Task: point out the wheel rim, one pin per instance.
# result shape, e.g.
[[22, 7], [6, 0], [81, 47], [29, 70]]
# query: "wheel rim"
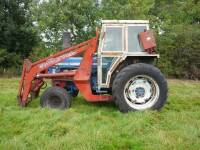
[[141, 92]]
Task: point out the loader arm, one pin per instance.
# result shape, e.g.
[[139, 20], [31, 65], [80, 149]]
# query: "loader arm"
[[33, 74]]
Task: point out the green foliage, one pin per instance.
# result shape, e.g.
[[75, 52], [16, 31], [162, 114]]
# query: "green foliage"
[[76, 16], [90, 126], [41, 51], [126, 9], [179, 45], [81, 17], [180, 52], [188, 53], [17, 35], [9, 60]]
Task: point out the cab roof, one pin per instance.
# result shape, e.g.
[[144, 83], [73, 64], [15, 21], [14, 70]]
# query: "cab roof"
[[125, 21]]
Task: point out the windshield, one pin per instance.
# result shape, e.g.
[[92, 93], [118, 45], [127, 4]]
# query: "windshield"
[[113, 39]]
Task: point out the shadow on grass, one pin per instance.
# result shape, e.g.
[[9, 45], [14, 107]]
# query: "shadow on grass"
[[77, 102], [81, 101]]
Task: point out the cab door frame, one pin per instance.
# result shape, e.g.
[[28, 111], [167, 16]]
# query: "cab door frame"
[[107, 53]]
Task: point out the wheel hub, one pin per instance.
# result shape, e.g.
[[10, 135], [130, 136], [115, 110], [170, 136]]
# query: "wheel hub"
[[141, 92]]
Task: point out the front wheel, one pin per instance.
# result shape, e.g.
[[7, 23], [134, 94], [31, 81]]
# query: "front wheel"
[[139, 87], [55, 97]]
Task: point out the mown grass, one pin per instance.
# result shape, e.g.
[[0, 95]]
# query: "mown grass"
[[100, 125]]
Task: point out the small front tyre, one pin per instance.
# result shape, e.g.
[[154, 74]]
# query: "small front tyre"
[[139, 87], [55, 97]]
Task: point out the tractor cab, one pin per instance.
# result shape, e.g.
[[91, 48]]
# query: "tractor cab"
[[122, 36], [120, 40]]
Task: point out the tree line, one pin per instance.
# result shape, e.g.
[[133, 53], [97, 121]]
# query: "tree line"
[[33, 29]]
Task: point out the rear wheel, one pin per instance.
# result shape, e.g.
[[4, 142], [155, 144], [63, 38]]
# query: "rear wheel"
[[139, 87], [55, 97]]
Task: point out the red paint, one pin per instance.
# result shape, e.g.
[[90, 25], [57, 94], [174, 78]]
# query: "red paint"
[[34, 73], [148, 41]]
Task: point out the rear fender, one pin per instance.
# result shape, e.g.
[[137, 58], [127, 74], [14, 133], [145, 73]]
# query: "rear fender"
[[123, 61]]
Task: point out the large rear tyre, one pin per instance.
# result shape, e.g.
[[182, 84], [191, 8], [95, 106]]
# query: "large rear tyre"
[[139, 87], [55, 97]]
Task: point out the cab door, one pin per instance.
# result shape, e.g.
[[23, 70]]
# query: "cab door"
[[110, 49]]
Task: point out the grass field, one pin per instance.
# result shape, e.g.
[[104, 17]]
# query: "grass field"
[[101, 126]]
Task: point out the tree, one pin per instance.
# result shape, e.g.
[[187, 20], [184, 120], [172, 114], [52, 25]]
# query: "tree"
[[179, 44], [126, 9], [75, 16], [17, 35]]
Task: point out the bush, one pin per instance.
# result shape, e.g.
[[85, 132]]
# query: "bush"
[[10, 72], [180, 52], [9, 63]]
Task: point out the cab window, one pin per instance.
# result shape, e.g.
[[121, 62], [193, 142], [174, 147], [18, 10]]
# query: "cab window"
[[133, 40], [112, 39]]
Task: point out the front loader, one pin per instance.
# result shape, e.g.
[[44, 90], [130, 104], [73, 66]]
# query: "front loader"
[[115, 65]]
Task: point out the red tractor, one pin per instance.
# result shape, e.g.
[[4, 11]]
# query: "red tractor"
[[115, 65]]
